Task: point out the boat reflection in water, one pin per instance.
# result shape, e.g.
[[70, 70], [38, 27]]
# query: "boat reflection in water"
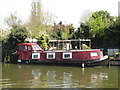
[[38, 76], [51, 76]]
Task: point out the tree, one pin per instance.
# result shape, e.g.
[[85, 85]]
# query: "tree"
[[61, 31], [35, 21], [83, 31], [95, 28], [114, 31], [39, 20], [43, 41], [85, 16], [13, 21], [18, 34], [99, 21]]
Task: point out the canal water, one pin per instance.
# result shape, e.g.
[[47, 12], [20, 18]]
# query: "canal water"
[[44, 76]]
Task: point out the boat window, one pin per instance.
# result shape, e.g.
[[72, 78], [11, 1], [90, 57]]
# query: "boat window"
[[36, 47], [35, 55], [93, 54], [20, 48], [25, 47], [67, 55], [50, 55], [29, 48]]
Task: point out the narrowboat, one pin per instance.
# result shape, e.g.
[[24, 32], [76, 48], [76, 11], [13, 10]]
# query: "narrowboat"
[[31, 53]]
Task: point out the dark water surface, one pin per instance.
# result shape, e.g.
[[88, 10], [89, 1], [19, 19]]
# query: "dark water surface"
[[43, 76]]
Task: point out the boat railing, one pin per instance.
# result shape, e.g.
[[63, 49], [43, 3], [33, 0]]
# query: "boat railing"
[[67, 44]]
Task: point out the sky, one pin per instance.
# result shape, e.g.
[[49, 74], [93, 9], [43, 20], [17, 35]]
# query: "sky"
[[68, 11]]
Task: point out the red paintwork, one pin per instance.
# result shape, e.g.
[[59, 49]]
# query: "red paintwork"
[[76, 54], [27, 44], [26, 54], [85, 55]]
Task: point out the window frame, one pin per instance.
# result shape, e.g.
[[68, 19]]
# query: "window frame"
[[94, 54], [35, 54], [50, 54], [36, 47], [70, 53]]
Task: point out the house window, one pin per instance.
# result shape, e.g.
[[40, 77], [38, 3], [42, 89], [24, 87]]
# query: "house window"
[[50, 55], [35, 55], [67, 55]]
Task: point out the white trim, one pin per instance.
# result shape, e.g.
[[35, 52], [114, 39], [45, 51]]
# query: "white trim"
[[72, 50], [70, 53], [50, 54], [103, 58], [19, 60], [38, 55]]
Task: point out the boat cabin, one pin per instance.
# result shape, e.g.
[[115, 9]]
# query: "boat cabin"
[[31, 51], [29, 47], [25, 50]]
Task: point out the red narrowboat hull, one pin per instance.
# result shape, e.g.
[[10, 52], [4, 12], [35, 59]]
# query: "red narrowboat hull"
[[69, 63], [82, 58]]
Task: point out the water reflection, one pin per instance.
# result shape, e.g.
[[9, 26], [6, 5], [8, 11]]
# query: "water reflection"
[[67, 79], [51, 76], [38, 76], [99, 77]]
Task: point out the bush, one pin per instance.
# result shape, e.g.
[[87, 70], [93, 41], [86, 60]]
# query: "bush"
[[17, 35]]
